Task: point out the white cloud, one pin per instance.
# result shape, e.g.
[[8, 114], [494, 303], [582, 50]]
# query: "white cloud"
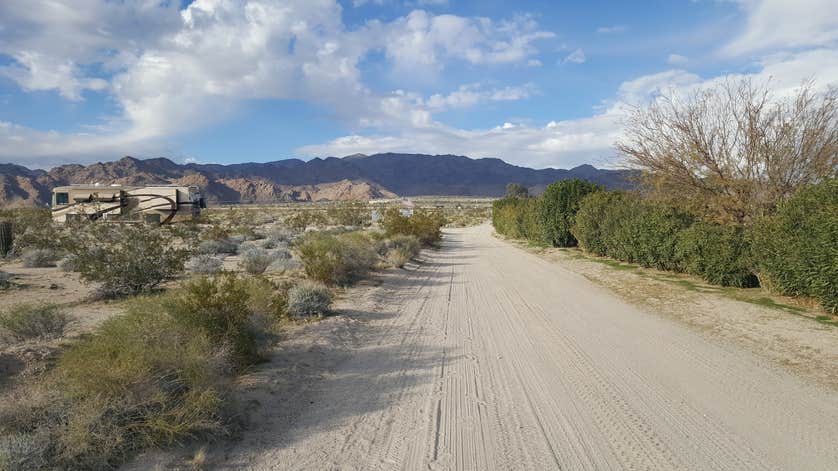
[[611, 29], [677, 59], [171, 71], [575, 57], [784, 24], [566, 143]]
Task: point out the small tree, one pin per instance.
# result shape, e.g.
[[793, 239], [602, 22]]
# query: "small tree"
[[127, 259], [734, 152], [516, 190], [558, 208]]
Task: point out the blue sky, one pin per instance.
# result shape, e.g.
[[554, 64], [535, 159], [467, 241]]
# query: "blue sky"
[[536, 83]]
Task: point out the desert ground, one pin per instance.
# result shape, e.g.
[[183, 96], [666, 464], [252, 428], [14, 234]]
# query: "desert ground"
[[487, 356]]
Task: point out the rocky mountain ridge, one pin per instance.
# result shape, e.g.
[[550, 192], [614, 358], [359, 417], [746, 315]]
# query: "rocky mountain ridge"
[[353, 177]]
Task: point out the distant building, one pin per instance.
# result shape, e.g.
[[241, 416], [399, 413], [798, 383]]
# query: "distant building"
[[154, 203]]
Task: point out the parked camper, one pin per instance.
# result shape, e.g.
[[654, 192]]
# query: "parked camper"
[[157, 204]]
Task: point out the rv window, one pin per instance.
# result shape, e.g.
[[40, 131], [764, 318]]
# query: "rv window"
[[62, 198]]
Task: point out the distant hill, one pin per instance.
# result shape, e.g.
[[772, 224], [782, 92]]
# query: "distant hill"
[[353, 177]]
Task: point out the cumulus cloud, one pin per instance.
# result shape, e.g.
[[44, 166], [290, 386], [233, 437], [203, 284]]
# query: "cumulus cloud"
[[171, 71], [781, 24]]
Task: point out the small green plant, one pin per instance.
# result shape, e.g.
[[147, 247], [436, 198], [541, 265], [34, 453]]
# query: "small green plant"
[[309, 299], [349, 213], [33, 321]]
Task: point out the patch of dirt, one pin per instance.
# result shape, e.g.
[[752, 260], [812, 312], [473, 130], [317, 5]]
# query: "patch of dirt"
[[784, 331]]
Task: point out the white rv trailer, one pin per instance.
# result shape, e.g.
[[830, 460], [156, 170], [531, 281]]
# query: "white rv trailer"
[[154, 203]]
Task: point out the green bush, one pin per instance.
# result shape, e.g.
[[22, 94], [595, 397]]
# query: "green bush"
[[32, 321], [349, 213], [127, 259], [336, 258], [796, 250], [517, 218], [719, 254], [557, 211], [309, 299], [625, 227], [424, 225], [218, 308]]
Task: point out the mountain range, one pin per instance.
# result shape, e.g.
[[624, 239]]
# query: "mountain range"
[[353, 177]]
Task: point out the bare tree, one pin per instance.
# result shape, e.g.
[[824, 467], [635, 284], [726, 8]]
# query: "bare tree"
[[735, 151]]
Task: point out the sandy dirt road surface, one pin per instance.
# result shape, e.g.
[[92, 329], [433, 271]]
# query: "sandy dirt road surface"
[[487, 357]]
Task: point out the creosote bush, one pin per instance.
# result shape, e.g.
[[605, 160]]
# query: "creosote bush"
[[39, 258], [425, 225], [309, 299], [255, 260], [32, 321], [127, 259], [339, 259]]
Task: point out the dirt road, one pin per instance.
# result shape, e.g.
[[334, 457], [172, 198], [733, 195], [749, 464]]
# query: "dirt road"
[[487, 357]]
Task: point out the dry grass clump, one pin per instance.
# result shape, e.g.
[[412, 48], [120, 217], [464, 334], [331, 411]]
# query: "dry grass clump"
[[309, 299], [32, 321], [401, 248]]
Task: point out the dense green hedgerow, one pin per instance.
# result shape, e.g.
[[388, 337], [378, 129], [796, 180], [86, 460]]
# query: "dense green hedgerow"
[[796, 250], [517, 218], [718, 253], [557, 210], [625, 227]]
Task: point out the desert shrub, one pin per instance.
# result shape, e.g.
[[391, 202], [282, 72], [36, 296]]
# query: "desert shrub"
[[218, 308], [718, 253], [557, 210], [401, 248], [204, 264], [127, 259], [69, 263], [623, 226], [265, 298], [6, 280], [336, 259], [23, 219], [517, 218], [304, 218], [24, 452], [141, 380], [424, 225], [39, 258], [32, 321], [255, 260], [309, 299], [349, 213], [218, 246], [283, 265], [796, 250]]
